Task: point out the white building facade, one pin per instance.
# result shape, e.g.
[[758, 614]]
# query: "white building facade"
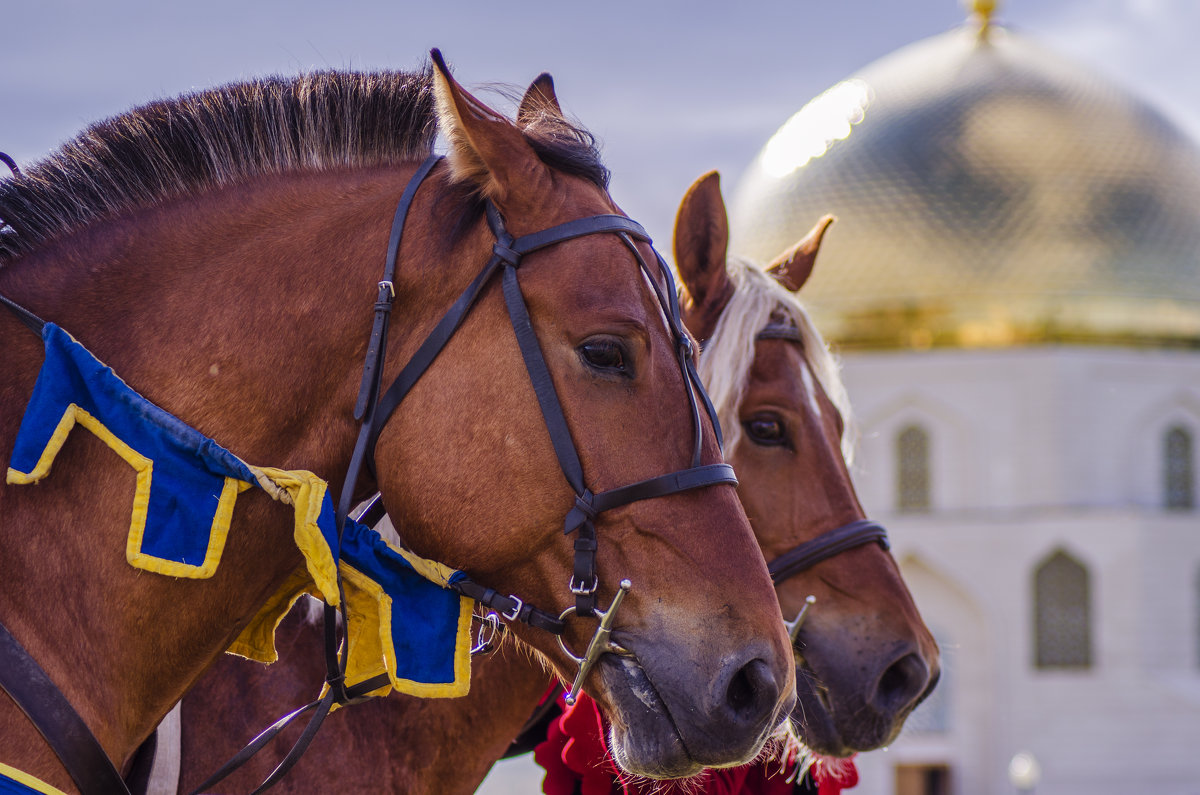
[[1036, 456], [1013, 285]]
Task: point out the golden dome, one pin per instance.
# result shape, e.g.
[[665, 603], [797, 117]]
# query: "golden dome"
[[988, 193]]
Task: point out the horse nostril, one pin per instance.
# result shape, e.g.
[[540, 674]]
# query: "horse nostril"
[[929, 687], [752, 692], [902, 684]]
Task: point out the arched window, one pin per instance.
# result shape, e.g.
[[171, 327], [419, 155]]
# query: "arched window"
[[1178, 470], [1062, 613], [912, 469]]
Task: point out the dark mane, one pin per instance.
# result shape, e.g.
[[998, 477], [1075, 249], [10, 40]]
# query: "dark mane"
[[175, 147]]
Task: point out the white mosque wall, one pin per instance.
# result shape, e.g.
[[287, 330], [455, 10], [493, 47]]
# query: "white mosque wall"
[[1015, 429], [1034, 451]]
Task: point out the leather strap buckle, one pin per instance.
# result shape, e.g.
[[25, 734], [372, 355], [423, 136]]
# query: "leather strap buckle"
[[584, 590], [514, 613]]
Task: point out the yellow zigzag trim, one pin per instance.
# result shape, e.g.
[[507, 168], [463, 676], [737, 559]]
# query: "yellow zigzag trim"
[[371, 648], [36, 784], [373, 653], [141, 497]]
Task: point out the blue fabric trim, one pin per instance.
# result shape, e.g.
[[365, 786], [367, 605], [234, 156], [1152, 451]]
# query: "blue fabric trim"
[[189, 469], [184, 499], [424, 617]]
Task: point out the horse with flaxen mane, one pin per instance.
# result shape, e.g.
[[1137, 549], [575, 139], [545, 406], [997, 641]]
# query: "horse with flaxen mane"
[[864, 658], [221, 253]]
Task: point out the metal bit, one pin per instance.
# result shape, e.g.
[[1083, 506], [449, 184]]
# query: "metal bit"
[[793, 626], [600, 644]]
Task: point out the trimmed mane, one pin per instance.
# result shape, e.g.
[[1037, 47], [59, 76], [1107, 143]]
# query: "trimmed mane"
[[209, 139], [725, 364], [217, 137]]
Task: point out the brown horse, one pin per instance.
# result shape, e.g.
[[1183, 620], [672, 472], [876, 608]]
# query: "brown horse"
[[220, 253], [864, 656]]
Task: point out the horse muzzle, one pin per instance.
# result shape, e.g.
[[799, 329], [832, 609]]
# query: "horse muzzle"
[[665, 726], [838, 716]]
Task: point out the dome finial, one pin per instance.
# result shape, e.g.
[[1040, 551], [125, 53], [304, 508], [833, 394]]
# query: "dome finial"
[[981, 14]]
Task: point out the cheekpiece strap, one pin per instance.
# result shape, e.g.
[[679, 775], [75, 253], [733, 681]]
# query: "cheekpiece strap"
[[377, 344]]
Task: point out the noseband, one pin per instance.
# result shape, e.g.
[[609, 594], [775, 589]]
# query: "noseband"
[[826, 546]]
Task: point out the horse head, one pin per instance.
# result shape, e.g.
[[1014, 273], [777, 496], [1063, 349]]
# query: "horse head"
[[864, 659], [700, 671]]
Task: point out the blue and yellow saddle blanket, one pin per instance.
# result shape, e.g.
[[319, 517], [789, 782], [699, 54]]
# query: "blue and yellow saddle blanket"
[[402, 617]]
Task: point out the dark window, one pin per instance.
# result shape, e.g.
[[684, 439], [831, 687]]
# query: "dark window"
[[1178, 471], [1062, 613], [912, 469], [922, 780]]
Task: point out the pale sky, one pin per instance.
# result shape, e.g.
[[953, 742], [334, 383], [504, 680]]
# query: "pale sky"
[[672, 89]]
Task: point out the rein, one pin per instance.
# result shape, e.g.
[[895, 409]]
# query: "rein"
[[373, 411]]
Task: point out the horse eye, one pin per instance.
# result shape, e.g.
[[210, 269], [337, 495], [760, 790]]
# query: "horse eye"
[[766, 429], [604, 354]]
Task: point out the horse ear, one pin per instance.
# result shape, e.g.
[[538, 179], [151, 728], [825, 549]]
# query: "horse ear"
[[793, 267], [539, 100], [484, 146], [701, 242]]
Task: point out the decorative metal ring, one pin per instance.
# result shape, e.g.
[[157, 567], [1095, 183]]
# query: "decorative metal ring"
[[562, 644], [490, 628]]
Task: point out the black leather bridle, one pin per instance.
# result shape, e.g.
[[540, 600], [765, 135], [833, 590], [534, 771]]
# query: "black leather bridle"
[[507, 252], [374, 410], [796, 560], [825, 546]]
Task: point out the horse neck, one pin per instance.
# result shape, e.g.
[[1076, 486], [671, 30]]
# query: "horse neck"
[[244, 313]]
